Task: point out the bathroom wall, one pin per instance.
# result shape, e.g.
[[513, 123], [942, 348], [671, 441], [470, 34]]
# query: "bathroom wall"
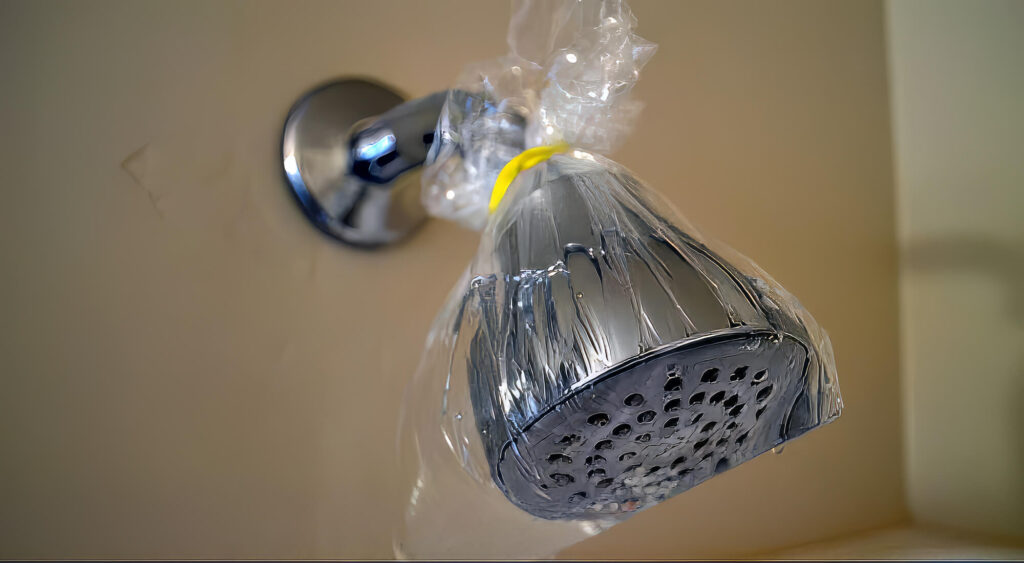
[[957, 75], [190, 370]]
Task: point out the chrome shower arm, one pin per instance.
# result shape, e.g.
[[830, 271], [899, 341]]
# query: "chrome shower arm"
[[352, 151], [397, 141]]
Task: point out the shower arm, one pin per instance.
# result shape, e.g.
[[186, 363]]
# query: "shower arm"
[[352, 151]]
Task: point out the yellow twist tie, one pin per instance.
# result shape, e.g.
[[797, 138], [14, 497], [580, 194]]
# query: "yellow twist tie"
[[526, 160]]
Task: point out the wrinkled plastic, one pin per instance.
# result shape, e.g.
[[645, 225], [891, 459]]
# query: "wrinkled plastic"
[[581, 273], [597, 356], [568, 77]]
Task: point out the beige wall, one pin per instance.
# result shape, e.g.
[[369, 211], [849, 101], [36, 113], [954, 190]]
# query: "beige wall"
[[190, 370], [957, 75]]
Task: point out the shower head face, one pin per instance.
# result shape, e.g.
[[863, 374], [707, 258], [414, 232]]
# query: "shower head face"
[[657, 426]]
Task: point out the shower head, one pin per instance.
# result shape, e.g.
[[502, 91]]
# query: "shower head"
[[615, 361], [609, 357]]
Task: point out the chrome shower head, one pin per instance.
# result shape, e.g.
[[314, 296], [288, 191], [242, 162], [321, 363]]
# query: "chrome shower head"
[[610, 359], [615, 361]]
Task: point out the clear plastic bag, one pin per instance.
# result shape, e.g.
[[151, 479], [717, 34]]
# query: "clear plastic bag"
[[567, 78], [597, 356]]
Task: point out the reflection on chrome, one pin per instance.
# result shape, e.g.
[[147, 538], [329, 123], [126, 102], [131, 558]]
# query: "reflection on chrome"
[[383, 144]]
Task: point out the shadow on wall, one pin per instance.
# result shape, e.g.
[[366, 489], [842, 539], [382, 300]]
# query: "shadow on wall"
[[1001, 260]]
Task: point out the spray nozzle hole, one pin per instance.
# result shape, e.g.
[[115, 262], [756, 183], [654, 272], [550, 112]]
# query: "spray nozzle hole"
[[595, 460], [646, 417], [562, 479], [559, 458], [634, 400]]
